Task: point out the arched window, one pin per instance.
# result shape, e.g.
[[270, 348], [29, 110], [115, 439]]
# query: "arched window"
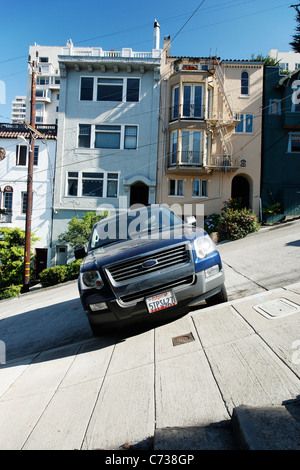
[[245, 83]]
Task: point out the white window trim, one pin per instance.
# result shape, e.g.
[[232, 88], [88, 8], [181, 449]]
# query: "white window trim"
[[122, 137], [79, 183], [95, 89], [176, 187], [201, 188]]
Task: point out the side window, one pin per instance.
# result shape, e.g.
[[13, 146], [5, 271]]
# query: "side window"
[[133, 89], [84, 136], [87, 89], [21, 155], [245, 83]]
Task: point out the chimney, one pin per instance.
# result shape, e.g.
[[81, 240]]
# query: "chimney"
[[156, 35]]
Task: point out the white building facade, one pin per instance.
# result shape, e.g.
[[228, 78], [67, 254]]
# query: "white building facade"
[[13, 185], [288, 61]]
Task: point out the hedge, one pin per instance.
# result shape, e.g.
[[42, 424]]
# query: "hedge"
[[59, 274]]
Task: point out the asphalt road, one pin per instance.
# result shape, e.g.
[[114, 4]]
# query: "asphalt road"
[[48, 318]]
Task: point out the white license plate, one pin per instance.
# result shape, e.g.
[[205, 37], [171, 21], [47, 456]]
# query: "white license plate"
[[161, 301]]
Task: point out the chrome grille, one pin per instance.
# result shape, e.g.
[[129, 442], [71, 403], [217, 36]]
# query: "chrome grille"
[[136, 268]]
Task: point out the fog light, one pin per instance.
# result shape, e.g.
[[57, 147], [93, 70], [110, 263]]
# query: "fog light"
[[212, 271], [99, 306]]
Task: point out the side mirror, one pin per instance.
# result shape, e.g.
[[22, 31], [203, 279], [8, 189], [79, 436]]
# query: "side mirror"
[[80, 253], [191, 220]]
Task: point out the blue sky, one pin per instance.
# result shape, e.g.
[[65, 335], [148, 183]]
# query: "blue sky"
[[232, 29]]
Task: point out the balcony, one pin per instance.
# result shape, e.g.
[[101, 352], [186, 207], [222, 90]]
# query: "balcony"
[[5, 217], [291, 120], [224, 163]]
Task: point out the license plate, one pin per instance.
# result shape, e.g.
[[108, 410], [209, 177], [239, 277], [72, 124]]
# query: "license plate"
[[161, 301]]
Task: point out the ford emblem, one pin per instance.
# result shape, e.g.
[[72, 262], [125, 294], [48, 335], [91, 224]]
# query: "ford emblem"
[[149, 263]]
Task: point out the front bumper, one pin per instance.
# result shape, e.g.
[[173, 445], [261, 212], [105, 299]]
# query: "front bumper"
[[196, 287]]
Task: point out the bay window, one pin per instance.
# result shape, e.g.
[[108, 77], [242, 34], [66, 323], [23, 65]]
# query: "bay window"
[[191, 147], [192, 101]]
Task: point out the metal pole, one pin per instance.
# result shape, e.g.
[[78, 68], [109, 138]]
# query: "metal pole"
[[29, 185]]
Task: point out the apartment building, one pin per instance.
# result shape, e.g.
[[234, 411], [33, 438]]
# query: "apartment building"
[[47, 82], [18, 109], [107, 133], [281, 143], [288, 61], [210, 132]]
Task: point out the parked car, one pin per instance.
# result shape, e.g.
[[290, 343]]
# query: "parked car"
[[146, 264]]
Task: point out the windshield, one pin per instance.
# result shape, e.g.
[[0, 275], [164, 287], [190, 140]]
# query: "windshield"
[[140, 222]]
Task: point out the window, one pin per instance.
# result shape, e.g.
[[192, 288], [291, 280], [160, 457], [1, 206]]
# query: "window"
[[294, 143], [175, 102], [199, 188], [87, 88], [42, 81], [44, 59], [108, 137], [21, 155], [92, 184], [173, 148], [84, 136], [284, 66], [275, 107], [191, 143], [133, 90], [192, 101], [8, 200], [245, 83], [24, 203], [130, 139], [176, 188], [110, 89], [36, 156], [245, 125], [72, 185], [112, 184]]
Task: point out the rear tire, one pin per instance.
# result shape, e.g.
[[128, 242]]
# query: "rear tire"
[[218, 298]]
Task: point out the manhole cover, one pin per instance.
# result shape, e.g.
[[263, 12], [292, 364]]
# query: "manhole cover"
[[277, 308], [183, 339]]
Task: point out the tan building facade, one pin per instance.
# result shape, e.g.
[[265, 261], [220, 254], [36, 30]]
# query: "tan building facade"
[[209, 145]]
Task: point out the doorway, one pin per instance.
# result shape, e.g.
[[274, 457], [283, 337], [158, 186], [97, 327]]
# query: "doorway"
[[139, 194], [240, 189], [61, 255], [40, 260]]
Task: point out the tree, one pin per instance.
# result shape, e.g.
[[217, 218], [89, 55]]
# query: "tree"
[[79, 230], [266, 59], [12, 243], [296, 42]]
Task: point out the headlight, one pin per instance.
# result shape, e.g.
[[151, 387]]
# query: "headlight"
[[91, 279], [203, 246]]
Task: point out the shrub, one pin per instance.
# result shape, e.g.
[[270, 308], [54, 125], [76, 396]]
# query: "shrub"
[[52, 276], [58, 274], [211, 223], [235, 224], [11, 291]]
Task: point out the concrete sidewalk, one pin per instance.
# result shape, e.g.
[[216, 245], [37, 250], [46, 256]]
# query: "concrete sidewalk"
[[172, 387]]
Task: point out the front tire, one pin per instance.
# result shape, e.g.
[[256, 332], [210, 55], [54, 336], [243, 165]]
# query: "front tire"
[[218, 298]]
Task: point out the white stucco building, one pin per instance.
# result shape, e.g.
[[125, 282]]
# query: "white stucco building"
[[288, 61], [13, 185]]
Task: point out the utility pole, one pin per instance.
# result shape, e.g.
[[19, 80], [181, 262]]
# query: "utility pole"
[[29, 184]]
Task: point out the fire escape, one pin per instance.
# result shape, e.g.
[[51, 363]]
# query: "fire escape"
[[222, 123]]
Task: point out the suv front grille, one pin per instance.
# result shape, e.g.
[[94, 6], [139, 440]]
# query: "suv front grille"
[[145, 265], [137, 296]]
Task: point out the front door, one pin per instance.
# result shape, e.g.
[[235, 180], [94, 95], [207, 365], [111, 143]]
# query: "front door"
[[40, 260]]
